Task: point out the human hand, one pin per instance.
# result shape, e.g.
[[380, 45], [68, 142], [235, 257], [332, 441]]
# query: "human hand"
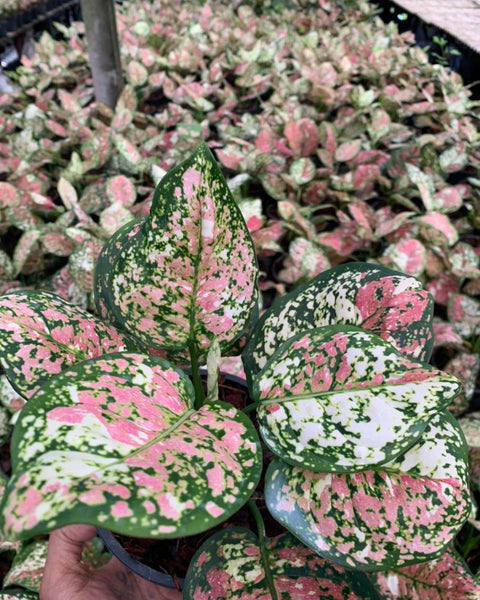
[[67, 578]]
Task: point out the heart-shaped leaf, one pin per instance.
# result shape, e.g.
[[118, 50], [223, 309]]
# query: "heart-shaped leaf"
[[188, 274], [445, 577], [230, 565], [338, 398], [385, 302], [115, 442], [405, 513], [41, 334]]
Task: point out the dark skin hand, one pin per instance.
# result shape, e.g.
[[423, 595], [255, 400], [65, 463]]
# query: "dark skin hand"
[[67, 578]]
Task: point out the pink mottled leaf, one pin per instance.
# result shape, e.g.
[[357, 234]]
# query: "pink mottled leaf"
[[437, 229], [447, 200], [464, 314], [465, 367], [442, 287], [114, 441], [114, 216], [385, 302], [444, 577], [348, 150], [425, 184], [137, 74], [26, 256], [302, 171], [9, 195], [445, 334], [408, 256], [41, 334], [67, 193], [464, 261], [57, 243], [350, 400], [230, 566], [302, 136], [305, 260], [28, 565], [121, 189], [188, 272], [422, 498]]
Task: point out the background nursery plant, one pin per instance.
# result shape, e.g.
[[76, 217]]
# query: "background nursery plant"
[[366, 469]]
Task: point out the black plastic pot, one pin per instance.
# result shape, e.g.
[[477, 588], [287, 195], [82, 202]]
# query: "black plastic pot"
[[115, 548]]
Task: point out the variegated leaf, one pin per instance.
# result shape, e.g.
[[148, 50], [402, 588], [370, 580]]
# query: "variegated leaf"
[[338, 398], [404, 513], [41, 334], [115, 442], [188, 273], [27, 566], [230, 565], [464, 313], [18, 595], [388, 303], [444, 577]]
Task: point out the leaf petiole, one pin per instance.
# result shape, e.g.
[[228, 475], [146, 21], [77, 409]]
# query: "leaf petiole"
[[263, 548]]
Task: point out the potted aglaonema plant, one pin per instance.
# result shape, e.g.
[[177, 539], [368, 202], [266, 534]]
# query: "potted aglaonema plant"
[[369, 467]]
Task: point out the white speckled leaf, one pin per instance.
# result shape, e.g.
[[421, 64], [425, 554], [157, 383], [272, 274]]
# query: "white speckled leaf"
[[230, 566], [41, 334], [188, 273], [115, 442], [406, 512], [27, 566], [385, 302], [444, 577], [339, 398]]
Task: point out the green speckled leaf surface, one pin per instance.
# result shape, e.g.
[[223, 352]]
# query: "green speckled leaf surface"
[[229, 566], [41, 334], [339, 398], [406, 511], [373, 297], [115, 442], [188, 273]]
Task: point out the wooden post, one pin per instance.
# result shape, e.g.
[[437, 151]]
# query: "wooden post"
[[103, 49]]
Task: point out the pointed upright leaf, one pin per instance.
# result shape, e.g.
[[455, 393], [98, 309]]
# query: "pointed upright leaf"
[[189, 273], [115, 442], [406, 512]]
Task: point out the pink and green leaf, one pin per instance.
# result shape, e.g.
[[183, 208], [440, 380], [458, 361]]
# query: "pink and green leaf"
[[27, 566], [405, 512], [188, 273], [338, 398], [385, 302], [41, 334], [230, 565], [115, 442], [444, 577]]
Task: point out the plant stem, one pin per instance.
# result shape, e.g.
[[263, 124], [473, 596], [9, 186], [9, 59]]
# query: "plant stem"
[[263, 549], [250, 408], [197, 380]]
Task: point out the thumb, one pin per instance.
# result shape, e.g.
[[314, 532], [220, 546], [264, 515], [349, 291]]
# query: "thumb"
[[65, 545], [63, 567]]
